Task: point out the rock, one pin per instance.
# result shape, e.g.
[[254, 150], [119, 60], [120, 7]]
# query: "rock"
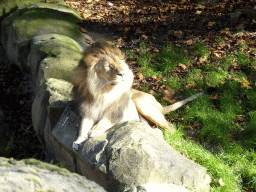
[[153, 187], [32, 175], [53, 56], [21, 26], [8, 5], [45, 40], [129, 156]]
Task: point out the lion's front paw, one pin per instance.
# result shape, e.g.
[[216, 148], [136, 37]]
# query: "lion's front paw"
[[75, 146]]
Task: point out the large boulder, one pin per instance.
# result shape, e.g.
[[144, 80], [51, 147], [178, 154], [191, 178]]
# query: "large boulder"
[[20, 27], [32, 175], [129, 156], [45, 41], [7, 6]]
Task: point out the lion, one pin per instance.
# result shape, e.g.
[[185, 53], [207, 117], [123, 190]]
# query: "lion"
[[103, 90]]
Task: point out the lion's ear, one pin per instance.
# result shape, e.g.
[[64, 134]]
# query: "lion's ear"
[[89, 61]]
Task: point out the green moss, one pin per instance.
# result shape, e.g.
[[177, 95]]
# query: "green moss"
[[8, 5], [50, 167]]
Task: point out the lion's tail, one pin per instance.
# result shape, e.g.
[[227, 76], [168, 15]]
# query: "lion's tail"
[[179, 104]]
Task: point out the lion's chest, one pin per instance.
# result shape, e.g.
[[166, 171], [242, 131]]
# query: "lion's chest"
[[117, 110]]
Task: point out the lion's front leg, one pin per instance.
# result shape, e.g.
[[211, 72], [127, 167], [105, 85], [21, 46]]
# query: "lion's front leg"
[[85, 127], [102, 126]]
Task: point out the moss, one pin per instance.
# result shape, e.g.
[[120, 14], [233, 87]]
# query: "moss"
[[7, 6], [50, 167], [35, 181]]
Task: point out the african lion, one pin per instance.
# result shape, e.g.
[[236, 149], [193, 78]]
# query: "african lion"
[[102, 89]]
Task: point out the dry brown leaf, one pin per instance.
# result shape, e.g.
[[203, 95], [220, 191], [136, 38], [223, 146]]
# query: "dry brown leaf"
[[144, 37], [168, 94], [210, 24], [190, 85], [203, 59], [239, 42], [240, 118], [86, 15], [182, 66], [173, 101], [214, 97], [83, 30], [246, 86], [219, 53], [72, 2], [206, 40], [198, 12], [139, 76], [189, 42], [169, 100]]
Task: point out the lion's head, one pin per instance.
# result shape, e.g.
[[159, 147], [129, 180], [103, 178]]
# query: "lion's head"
[[102, 70]]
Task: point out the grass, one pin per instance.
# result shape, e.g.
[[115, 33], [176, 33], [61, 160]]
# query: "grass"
[[217, 131]]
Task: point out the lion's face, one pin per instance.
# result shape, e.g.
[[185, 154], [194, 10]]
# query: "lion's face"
[[102, 73], [113, 71]]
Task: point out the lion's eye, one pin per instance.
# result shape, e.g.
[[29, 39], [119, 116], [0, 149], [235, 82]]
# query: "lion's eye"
[[108, 67], [122, 64]]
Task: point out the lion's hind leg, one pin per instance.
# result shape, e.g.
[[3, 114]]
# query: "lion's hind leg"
[[151, 110]]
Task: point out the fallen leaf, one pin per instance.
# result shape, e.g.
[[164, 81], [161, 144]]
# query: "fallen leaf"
[[86, 15], [210, 24], [153, 78], [203, 59], [126, 29], [190, 85], [139, 76], [213, 97], [182, 66], [198, 12], [189, 42], [219, 53], [144, 37], [240, 118], [239, 42], [83, 30], [246, 86], [168, 94]]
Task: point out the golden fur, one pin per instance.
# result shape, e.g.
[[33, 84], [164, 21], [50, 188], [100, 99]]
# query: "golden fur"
[[102, 88]]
